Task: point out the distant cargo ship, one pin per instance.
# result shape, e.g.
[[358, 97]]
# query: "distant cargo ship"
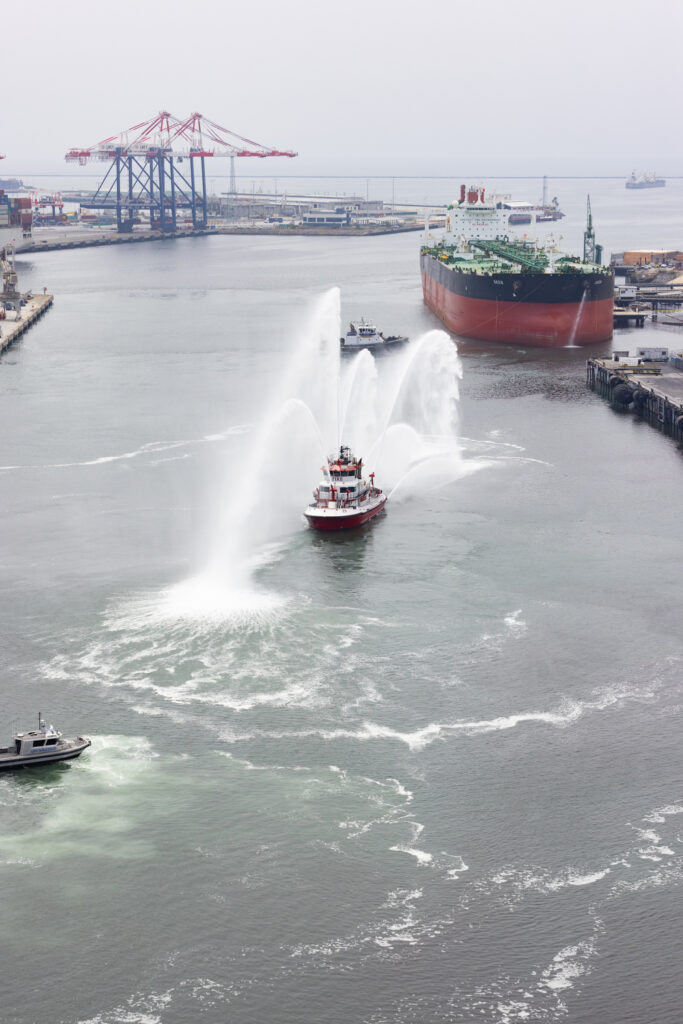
[[645, 181], [525, 213], [486, 286], [11, 185]]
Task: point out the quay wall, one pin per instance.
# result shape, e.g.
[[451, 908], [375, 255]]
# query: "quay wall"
[[653, 392], [112, 238], [11, 330]]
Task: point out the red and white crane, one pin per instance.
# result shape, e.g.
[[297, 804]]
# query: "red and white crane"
[[144, 172]]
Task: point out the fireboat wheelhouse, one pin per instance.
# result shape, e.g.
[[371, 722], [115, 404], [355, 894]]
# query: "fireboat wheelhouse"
[[344, 499]]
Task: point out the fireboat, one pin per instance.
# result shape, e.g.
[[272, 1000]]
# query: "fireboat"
[[344, 499]]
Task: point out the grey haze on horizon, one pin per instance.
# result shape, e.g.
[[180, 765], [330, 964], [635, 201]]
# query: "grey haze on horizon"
[[366, 87]]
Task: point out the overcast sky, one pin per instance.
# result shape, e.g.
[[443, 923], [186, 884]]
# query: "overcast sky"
[[434, 86]]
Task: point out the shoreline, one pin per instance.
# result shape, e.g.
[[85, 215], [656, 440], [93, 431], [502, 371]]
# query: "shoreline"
[[113, 238]]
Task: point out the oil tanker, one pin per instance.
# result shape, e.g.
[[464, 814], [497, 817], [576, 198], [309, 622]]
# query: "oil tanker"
[[486, 285]]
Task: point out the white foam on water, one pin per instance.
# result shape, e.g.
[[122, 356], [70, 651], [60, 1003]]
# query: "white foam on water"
[[86, 814], [140, 1008], [203, 662], [402, 931], [650, 853], [660, 814], [567, 966], [243, 762], [203, 599], [458, 869], [150, 448], [648, 835], [416, 740], [654, 848], [589, 879], [514, 623], [400, 789], [421, 856], [521, 880], [122, 1015], [403, 897], [296, 694], [669, 873], [512, 1011]]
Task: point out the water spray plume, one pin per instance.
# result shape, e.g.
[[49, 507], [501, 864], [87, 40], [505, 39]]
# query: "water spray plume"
[[399, 415]]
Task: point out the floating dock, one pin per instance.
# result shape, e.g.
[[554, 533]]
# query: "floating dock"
[[27, 315], [654, 390]]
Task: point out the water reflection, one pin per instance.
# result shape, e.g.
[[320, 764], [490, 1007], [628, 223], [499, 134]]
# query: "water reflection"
[[345, 550]]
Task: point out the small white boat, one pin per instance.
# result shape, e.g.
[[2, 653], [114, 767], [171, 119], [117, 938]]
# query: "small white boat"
[[364, 334], [43, 745]]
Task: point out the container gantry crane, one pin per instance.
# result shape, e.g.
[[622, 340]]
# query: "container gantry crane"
[[144, 171]]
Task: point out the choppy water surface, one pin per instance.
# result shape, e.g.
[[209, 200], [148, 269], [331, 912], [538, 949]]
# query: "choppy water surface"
[[427, 771]]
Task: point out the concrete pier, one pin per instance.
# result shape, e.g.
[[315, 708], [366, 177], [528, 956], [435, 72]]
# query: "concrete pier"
[[26, 316], [653, 390]]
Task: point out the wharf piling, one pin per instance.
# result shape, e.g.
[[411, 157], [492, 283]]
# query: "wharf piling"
[[26, 316], [624, 317], [653, 390]]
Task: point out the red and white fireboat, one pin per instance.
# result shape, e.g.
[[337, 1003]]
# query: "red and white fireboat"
[[343, 498]]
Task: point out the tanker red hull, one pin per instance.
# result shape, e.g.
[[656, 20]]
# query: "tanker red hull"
[[540, 324], [514, 304]]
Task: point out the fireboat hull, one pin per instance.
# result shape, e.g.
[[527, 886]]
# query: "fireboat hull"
[[343, 519], [540, 310]]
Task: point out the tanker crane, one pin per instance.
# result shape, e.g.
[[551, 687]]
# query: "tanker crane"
[[592, 253]]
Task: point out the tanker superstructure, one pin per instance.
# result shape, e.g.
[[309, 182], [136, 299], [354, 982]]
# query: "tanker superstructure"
[[488, 286]]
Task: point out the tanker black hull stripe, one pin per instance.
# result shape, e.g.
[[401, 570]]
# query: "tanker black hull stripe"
[[517, 287]]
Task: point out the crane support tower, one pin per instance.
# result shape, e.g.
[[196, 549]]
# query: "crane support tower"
[[145, 168]]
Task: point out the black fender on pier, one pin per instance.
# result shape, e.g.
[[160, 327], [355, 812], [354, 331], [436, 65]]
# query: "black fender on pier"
[[622, 394]]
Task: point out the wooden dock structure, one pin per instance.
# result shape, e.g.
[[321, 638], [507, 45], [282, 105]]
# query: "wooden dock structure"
[[653, 390], [26, 316]]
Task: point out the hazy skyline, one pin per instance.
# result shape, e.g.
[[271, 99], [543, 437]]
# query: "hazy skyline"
[[361, 87]]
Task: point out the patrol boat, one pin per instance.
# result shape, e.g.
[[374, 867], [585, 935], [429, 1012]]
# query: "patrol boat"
[[40, 746], [343, 498]]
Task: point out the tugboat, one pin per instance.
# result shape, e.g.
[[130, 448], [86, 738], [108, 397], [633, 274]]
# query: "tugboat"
[[40, 746], [343, 498], [364, 334]]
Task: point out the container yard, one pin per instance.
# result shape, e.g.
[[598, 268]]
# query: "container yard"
[[16, 214]]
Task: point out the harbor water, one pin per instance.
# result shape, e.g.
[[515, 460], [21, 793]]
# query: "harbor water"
[[426, 771]]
